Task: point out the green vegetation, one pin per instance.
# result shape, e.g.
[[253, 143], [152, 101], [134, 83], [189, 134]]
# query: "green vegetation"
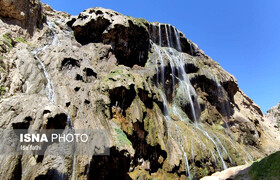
[[2, 64], [204, 172], [267, 168], [138, 21], [7, 39], [2, 90], [20, 40], [122, 138], [7, 42], [116, 75]]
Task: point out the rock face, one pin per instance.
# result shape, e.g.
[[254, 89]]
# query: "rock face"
[[273, 116], [171, 111], [25, 13]]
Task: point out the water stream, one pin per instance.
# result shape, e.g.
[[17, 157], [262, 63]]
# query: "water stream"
[[50, 92], [178, 73]]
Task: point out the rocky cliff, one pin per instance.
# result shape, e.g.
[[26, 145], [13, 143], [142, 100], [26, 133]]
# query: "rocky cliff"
[[273, 116], [170, 110]]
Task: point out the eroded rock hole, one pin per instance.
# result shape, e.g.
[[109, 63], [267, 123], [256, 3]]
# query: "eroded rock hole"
[[46, 111], [67, 104], [90, 75], [90, 72], [59, 121], [115, 166], [92, 31], [122, 97], [98, 12], [79, 77], [87, 101], [77, 89], [24, 124], [130, 44], [191, 68], [69, 63], [52, 174], [146, 98], [153, 154]]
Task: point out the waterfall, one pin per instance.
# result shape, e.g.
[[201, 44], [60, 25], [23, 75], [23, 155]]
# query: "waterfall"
[[223, 147], [179, 139], [172, 56], [215, 144], [224, 105], [178, 62], [186, 161], [50, 89], [55, 41], [49, 86]]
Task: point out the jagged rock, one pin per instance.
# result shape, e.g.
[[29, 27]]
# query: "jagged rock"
[[273, 116], [169, 109], [25, 13], [129, 38]]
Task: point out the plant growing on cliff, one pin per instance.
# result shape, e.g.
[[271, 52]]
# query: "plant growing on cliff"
[[122, 138], [7, 39], [2, 90], [2, 64], [20, 40]]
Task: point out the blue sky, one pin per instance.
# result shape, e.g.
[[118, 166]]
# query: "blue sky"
[[242, 35]]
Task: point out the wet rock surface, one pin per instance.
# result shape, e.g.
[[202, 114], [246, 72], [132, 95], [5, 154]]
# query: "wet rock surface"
[[171, 112]]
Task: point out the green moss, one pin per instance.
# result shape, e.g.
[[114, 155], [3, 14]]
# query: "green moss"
[[122, 138], [139, 21], [112, 75], [204, 172], [2, 64], [7, 39], [20, 40], [268, 167], [2, 90]]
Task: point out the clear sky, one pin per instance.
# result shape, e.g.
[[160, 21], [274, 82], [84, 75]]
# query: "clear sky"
[[242, 35]]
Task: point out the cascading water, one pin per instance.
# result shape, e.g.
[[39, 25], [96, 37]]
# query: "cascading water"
[[178, 73], [215, 144], [226, 111], [51, 93], [49, 86], [186, 161], [55, 41]]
